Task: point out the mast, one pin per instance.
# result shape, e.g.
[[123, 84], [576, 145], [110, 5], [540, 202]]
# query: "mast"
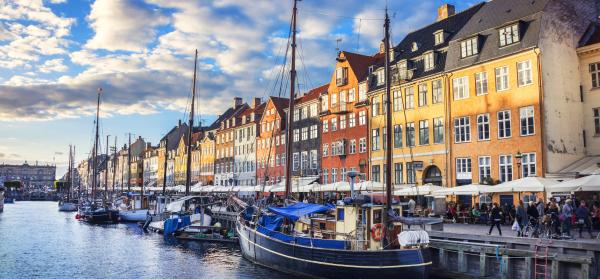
[[95, 152], [188, 173], [106, 173], [78, 179], [129, 165], [114, 165], [388, 150], [69, 176], [165, 164], [290, 121]]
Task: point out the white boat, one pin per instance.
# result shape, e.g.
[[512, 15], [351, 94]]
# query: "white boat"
[[67, 206], [138, 215]]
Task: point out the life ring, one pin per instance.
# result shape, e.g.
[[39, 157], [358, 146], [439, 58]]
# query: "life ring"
[[376, 232]]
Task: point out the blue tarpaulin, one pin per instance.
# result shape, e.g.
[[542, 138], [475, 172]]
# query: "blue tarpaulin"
[[173, 224], [305, 241], [297, 210], [271, 222]]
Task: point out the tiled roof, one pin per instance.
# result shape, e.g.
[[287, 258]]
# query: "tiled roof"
[[591, 36], [360, 63], [175, 135], [280, 104], [312, 94]]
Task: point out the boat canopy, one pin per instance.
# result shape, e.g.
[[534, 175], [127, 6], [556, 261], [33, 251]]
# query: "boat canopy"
[[297, 210], [176, 206]]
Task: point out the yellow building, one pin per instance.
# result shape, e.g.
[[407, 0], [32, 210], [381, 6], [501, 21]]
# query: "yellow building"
[[207, 159]]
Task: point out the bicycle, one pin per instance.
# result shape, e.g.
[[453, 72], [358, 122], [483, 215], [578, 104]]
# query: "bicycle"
[[532, 229]]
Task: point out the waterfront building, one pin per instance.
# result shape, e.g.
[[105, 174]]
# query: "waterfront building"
[[306, 135], [36, 176], [270, 143], [418, 104], [224, 171], [136, 153], [180, 161], [515, 105], [195, 177], [244, 147], [167, 144], [207, 158], [150, 166], [344, 118]]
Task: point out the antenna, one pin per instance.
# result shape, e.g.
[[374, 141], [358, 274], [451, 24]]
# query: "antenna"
[[337, 45]]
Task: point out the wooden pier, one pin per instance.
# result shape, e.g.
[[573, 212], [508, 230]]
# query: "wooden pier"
[[476, 256]]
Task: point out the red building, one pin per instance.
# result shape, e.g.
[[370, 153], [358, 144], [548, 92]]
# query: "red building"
[[270, 142], [344, 118]]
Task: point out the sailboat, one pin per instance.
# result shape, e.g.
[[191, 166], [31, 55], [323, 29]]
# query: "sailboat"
[[94, 213], [1, 198], [332, 241], [67, 203]]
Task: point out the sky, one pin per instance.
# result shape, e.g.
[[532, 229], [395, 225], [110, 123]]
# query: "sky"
[[55, 54]]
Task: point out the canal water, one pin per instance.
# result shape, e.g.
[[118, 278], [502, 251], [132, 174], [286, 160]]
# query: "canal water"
[[38, 241]]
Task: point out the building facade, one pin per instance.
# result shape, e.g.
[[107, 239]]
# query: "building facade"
[[34, 176], [306, 136], [225, 137], [245, 144], [270, 143]]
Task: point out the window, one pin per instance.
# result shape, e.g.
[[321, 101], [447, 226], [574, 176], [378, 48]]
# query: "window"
[[343, 98], [411, 175], [343, 172], [429, 61], [468, 47], [504, 124], [380, 77], [324, 103], [314, 156], [528, 163], [438, 37], [342, 122], [334, 124], [362, 91], [597, 121], [423, 132], [438, 130], [362, 118], [397, 100], [352, 146], [362, 145], [341, 76], [462, 129], [595, 72], [463, 169], [304, 160], [277, 160], [333, 175], [351, 95], [333, 100], [313, 110], [485, 167], [397, 136], [325, 176], [481, 83], [325, 150], [422, 94], [527, 124], [410, 98], [460, 88], [313, 132], [375, 106], [502, 78], [403, 69], [304, 133], [338, 148], [375, 173], [483, 126], [351, 120], [410, 134], [505, 168], [509, 35], [296, 135], [525, 77], [398, 173], [296, 114], [325, 126], [375, 142], [295, 161], [436, 94]]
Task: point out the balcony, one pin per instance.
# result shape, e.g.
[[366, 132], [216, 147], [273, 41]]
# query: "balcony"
[[339, 108]]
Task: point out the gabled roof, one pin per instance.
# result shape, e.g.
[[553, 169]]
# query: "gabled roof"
[[360, 63], [174, 135], [217, 123], [258, 110], [280, 104], [313, 94]]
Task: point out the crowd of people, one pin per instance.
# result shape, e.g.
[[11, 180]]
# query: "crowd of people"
[[560, 217]]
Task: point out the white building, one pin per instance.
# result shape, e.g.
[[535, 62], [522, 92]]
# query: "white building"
[[245, 144]]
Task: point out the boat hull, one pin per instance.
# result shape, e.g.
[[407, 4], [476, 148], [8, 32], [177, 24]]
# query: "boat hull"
[[101, 216], [139, 215], [67, 206], [332, 263]]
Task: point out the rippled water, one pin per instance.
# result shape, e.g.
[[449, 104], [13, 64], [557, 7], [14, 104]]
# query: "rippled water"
[[38, 241]]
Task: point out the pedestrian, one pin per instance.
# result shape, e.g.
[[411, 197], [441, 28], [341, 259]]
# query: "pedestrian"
[[533, 215], [595, 216], [566, 215], [583, 218], [521, 216], [411, 207], [540, 207], [496, 217], [554, 216]]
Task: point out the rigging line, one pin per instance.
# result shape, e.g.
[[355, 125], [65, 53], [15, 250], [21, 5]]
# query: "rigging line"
[[358, 35], [308, 80], [325, 13]]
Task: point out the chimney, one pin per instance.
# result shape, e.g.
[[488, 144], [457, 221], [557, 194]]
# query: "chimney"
[[381, 47], [237, 101], [444, 11], [255, 102]]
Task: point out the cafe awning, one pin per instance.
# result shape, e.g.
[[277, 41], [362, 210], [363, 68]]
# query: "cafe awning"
[[526, 184]]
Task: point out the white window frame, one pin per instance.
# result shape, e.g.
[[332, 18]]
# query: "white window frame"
[[397, 100], [527, 121], [342, 122], [325, 150], [464, 168], [502, 79], [362, 118], [314, 157], [304, 133], [469, 47], [509, 35], [460, 87], [362, 145], [524, 73], [325, 126], [334, 125], [485, 168], [351, 95], [314, 131], [352, 149], [351, 120], [409, 95], [481, 83], [422, 94], [504, 124], [483, 127], [596, 114], [595, 74], [505, 168], [375, 139], [462, 129], [436, 92], [295, 161], [528, 164], [429, 61]]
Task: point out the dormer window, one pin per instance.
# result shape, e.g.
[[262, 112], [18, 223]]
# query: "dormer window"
[[429, 60], [403, 70], [509, 35], [439, 37], [341, 76], [414, 47], [380, 78], [469, 47], [370, 69]]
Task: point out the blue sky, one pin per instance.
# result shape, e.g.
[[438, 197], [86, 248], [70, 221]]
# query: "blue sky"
[[54, 54]]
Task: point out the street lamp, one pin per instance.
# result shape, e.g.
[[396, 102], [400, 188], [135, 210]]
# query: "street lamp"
[[519, 156]]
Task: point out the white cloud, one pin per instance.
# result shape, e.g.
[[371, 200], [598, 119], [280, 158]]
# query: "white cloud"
[[123, 25], [58, 1], [54, 65]]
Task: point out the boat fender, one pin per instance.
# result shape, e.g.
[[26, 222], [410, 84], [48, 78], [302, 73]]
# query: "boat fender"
[[77, 216], [376, 232]]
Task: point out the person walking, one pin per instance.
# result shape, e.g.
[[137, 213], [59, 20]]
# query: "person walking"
[[411, 208], [566, 215], [521, 216], [583, 218], [540, 206], [496, 217], [533, 216]]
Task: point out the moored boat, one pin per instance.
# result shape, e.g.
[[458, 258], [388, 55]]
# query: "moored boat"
[[1, 199], [67, 206]]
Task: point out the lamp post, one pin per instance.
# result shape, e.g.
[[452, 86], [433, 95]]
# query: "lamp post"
[[519, 156]]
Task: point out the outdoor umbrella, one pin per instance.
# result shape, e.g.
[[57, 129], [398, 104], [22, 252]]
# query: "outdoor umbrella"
[[471, 189], [590, 183], [526, 184]]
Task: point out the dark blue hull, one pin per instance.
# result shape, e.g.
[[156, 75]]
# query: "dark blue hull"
[[332, 263], [101, 216]]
